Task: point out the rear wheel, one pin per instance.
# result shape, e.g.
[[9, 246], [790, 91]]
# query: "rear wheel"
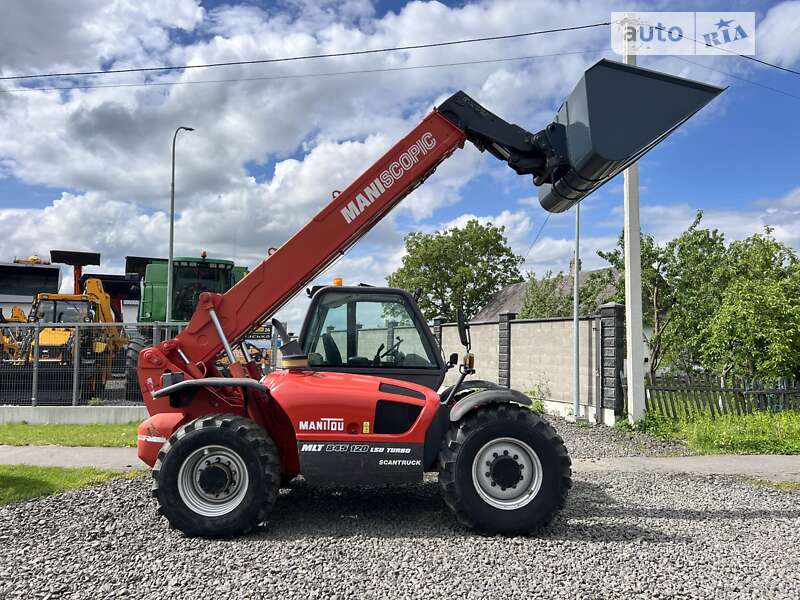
[[504, 470], [217, 476], [136, 343]]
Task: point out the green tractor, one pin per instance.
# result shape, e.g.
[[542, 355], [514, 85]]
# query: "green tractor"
[[190, 277]]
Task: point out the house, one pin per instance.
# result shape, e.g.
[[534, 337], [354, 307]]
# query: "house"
[[512, 297]]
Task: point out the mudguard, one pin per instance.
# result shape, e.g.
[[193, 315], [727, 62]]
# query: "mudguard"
[[154, 432], [494, 396], [470, 386]]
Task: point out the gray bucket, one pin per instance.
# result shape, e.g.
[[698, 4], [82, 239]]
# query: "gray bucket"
[[614, 115]]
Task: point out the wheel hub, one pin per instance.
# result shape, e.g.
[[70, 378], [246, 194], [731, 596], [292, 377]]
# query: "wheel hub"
[[213, 480], [507, 473]]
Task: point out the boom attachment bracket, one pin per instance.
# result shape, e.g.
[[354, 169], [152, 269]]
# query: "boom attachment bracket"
[[538, 154]]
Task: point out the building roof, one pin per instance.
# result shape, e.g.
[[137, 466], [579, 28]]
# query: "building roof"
[[512, 297], [509, 299]]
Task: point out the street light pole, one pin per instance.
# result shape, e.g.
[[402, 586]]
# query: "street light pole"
[[172, 226], [576, 332]]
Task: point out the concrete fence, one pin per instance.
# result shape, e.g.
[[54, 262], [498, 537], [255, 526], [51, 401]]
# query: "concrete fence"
[[535, 356]]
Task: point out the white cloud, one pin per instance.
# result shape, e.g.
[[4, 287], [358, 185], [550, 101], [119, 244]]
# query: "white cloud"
[[554, 254], [517, 226], [782, 214], [778, 34], [310, 136], [82, 34], [116, 141]]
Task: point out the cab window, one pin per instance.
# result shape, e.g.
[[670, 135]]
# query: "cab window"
[[63, 311], [367, 330], [72, 312]]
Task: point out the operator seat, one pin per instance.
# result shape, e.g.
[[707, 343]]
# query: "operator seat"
[[332, 354]]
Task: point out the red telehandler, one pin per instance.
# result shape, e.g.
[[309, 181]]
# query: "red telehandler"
[[356, 401]]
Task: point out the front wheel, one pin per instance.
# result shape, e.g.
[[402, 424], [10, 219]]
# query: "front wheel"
[[503, 469], [217, 476]]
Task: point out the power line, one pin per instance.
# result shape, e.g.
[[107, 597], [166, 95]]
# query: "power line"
[[740, 78], [303, 75], [764, 62], [536, 239], [308, 56], [745, 56]]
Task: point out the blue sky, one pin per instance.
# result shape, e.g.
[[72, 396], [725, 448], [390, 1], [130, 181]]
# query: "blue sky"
[[89, 170]]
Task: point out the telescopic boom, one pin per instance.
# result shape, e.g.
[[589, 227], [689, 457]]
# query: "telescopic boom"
[[583, 148]]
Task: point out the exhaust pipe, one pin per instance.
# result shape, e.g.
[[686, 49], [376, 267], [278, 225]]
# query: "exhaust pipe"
[[614, 115]]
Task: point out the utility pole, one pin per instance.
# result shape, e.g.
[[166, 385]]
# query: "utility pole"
[[576, 334], [172, 226], [633, 285]]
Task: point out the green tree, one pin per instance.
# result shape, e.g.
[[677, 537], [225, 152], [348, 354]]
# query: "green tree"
[[755, 330], [545, 297], [551, 296], [696, 273], [682, 283], [656, 292], [469, 264]]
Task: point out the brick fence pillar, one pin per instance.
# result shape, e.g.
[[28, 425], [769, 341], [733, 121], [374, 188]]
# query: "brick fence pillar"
[[437, 329], [504, 349], [612, 350]]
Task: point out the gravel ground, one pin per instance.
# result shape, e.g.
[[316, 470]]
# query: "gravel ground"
[[601, 441], [620, 536]]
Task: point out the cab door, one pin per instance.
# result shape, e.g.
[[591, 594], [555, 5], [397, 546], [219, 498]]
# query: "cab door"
[[371, 331]]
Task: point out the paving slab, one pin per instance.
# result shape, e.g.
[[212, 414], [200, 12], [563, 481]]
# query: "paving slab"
[[757, 466], [121, 459], [775, 467]]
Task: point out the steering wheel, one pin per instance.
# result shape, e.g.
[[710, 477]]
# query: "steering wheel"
[[376, 361], [392, 349]]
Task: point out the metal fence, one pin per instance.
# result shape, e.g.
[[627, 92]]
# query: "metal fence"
[[78, 364]]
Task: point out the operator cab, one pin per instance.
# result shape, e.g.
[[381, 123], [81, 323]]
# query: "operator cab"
[[63, 311], [193, 277], [373, 331]]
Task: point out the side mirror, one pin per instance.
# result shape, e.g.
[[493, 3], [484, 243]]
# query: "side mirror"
[[463, 329], [453, 360], [278, 327], [290, 349]]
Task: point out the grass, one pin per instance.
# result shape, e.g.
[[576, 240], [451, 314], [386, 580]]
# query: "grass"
[[25, 434], [757, 433], [786, 486], [22, 482]]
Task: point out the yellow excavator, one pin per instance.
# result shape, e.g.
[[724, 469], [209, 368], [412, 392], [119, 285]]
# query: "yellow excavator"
[[9, 335], [99, 348]]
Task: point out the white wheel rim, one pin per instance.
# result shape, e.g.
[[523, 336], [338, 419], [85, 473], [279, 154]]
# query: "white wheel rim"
[[497, 464], [213, 481]]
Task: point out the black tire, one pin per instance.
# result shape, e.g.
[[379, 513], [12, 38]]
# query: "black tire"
[[136, 343], [469, 437], [257, 453]]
